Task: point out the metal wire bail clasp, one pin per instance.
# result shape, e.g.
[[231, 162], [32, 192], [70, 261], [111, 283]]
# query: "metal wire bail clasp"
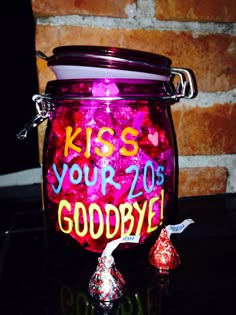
[[185, 87], [43, 107]]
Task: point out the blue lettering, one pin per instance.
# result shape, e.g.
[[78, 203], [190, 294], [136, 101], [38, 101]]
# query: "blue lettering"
[[108, 179], [134, 182], [86, 176], [148, 165], [75, 169], [59, 177]]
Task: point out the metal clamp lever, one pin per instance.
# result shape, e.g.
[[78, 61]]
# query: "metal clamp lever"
[[43, 107], [185, 86]]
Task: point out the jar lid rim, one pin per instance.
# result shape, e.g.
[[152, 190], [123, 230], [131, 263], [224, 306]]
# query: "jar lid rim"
[[110, 57]]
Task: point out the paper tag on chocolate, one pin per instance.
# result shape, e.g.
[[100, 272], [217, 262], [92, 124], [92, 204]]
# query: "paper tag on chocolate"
[[178, 228], [110, 247]]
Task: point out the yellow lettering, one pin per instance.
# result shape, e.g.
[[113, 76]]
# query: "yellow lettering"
[[67, 299], [110, 220], [162, 204], [88, 142], [109, 145], [117, 222], [69, 140], [96, 219], [77, 219], [124, 134], [127, 306], [125, 217], [64, 204], [82, 304], [151, 214], [141, 212]]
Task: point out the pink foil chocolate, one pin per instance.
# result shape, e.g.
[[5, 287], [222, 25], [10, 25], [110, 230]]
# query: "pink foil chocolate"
[[163, 254]]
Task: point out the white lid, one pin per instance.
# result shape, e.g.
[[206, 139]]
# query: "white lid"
[[83, 72]]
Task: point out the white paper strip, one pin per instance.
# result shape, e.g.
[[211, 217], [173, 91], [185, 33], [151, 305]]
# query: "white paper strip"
[[110, 247], [178, 228]]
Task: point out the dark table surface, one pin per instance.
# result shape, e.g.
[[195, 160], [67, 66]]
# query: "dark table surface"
[[40, 274]]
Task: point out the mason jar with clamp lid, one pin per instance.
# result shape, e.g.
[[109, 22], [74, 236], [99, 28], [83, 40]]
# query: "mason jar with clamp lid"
[[109, 161]]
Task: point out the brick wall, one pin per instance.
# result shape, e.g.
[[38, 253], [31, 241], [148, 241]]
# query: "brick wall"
[[195, 34]]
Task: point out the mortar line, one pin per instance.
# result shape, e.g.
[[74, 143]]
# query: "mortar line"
[[140, 22]]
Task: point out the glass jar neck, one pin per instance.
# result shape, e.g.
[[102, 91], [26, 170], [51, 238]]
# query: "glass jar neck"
[[110, 88]]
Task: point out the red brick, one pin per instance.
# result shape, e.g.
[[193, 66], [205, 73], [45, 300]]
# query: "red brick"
[[205, 130], [200, 181], [212, 58], [195, 10], [112, 8]]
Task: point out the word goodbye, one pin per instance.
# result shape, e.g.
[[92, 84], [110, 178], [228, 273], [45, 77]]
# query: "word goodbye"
[[128, 218]]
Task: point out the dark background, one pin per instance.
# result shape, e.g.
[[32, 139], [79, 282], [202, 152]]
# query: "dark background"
[[18, 84]]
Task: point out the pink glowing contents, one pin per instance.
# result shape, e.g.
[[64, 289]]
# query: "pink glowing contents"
[[108, 166]]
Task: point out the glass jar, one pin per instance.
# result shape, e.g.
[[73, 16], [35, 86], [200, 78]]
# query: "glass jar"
[[109, 163]]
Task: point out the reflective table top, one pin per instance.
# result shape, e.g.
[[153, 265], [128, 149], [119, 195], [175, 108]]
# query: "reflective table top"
[[41, 274]]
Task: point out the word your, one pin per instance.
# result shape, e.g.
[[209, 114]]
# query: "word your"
[[152, 175], [129, 218]]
